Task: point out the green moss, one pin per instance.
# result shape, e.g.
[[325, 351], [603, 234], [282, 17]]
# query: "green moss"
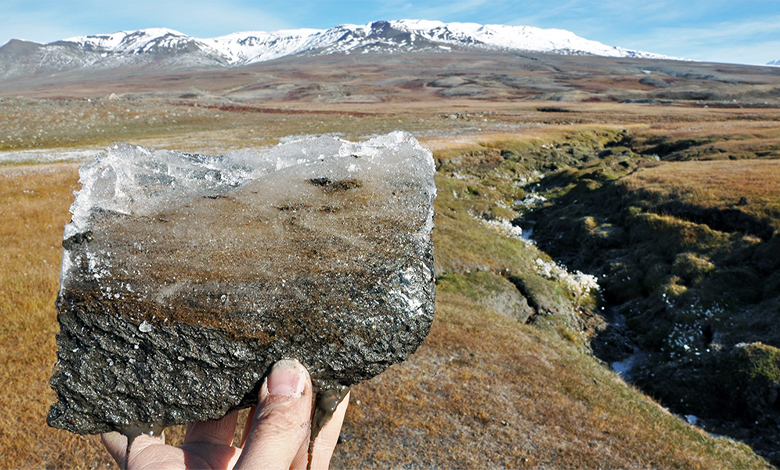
[[475, 260], [691, 266], [473, 285], [676, 278], [588, 223], [464, 244], [692, 281], [758, 362]]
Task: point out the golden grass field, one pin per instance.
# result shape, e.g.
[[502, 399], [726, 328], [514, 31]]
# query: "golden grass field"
[[34, 205], [485, 390], [717, 184]]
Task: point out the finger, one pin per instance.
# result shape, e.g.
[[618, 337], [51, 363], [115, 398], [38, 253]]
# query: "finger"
[[281, 424], [328, 437], [248, 425], [144, 448], [219, 432], [116, 444]]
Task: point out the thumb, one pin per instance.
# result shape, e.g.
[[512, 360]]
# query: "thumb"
[[280, 430]]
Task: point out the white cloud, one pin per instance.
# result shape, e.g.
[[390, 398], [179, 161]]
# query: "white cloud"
[[200, 18], [34, 26], [740, 41], [712, 30], [456, 10]]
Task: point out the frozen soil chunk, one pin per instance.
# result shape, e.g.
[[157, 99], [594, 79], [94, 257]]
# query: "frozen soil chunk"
[[185, 277]]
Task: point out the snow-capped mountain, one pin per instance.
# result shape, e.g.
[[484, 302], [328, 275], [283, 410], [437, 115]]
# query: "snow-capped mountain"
[[774, 62], [167, 47]]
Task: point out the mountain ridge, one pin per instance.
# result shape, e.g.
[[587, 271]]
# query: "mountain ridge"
[[167, 47]]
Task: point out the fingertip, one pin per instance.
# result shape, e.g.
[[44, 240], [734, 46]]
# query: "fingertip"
[[116, 444], [281, 424], [288, 378]]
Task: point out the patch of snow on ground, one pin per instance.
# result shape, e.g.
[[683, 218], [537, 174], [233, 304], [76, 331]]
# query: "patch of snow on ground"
[[531, 200], [505, 227], [578, 282], [526, 178], [45, 156], [299, 137]]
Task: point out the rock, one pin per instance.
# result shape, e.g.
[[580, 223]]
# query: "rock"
[[511, 303], [753, 372], [185, 277], [609, 236], [463, 90], [654, 81], [691, 266], [447, 82]]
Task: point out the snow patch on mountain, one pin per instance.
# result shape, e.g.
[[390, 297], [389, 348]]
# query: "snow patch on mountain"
[[130, 42], [167, 47], [522, 38], [260, 46]]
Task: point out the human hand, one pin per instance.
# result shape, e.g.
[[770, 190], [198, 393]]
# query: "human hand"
[[276, 437]]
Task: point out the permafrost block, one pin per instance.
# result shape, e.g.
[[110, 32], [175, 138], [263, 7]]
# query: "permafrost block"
[[185, 277]]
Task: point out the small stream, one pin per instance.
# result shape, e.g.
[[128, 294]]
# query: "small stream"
[[624, 367]]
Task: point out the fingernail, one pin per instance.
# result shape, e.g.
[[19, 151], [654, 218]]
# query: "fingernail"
[[287, 378]]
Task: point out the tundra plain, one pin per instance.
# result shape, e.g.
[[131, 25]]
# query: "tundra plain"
[[659, 178]]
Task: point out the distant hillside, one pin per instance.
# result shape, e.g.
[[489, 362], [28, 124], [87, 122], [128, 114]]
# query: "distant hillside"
[[169, 48]]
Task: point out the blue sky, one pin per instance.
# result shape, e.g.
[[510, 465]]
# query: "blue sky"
[[746, 31]]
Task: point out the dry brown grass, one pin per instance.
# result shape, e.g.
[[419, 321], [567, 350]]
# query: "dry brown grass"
[[483, 391], [716, 184], [212, 124], [34, 206], [720, 134], [487, 392], [34, 203]]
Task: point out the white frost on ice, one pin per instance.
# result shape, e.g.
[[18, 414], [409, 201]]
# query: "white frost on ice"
[[577, 282], [137, 181], [625, 367]]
